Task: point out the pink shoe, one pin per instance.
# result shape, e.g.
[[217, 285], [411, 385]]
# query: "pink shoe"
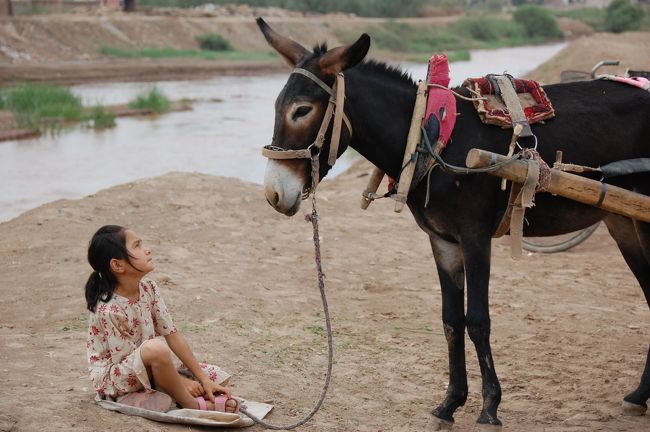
[[220, 403]]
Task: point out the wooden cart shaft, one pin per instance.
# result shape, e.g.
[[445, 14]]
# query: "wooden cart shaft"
[[608, 197]]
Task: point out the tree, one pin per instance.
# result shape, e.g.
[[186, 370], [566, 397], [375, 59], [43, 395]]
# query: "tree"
[[622, 16], [537, 21]]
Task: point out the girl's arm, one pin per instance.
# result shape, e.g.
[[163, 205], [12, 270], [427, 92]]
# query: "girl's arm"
[[179, 346]]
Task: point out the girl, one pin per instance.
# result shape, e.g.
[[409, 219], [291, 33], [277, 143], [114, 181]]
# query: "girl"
[[127, 313]]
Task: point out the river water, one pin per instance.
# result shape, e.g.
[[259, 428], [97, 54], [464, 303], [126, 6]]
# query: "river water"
[[222, 135]]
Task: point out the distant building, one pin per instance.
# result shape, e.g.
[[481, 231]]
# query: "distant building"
[[5, 8]]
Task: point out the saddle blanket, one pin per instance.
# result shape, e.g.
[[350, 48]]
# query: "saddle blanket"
[[492, 110]]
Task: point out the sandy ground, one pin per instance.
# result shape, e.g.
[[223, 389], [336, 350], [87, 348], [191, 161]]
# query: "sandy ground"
[[570, 330]]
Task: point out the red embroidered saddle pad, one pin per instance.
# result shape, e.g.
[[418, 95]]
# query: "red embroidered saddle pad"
[[492, 110]]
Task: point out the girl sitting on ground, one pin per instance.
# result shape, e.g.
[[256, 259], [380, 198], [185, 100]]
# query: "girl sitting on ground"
[[127, 313]]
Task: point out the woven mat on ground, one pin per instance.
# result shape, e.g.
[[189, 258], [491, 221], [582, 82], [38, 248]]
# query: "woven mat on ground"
[[190, 416]]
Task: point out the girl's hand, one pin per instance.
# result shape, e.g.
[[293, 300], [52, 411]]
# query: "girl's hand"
[[195, 388], [210, 389]]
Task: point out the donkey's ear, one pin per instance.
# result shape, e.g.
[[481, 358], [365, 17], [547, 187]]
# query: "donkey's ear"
[[290, 50], [344, 57]]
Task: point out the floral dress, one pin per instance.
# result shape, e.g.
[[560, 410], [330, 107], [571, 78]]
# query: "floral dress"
[[116, 332]]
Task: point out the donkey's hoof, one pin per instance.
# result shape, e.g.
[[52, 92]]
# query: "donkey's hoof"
[[631, 409], [442, 425]]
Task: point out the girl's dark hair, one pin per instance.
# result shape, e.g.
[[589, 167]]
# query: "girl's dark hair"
[[107, 243]]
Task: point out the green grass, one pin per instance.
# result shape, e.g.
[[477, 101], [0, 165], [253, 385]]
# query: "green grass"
[[39, 106], [152, 99], [49, 107], [100, 118], [157, 53], [316, 329]]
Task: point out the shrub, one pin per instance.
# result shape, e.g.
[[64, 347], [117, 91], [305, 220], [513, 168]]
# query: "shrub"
[[622, 16], [213, 42], [537, 22], [152, 99]]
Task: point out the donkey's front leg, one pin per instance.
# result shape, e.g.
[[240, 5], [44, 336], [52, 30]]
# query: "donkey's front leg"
[[476, 252], [449, 261]]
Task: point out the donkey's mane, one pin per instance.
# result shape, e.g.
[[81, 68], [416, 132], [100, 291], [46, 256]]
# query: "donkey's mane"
[[379, 67], [368, 66]]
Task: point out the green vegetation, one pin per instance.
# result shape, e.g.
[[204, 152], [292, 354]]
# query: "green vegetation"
[[38, 106], [619, 16], [378, 8], [475, 32], [173, 52], [316, 329], [213, 42], [622, 16], [593, 17], [152, 99], [101, 118], [49, 107], [537, 22]]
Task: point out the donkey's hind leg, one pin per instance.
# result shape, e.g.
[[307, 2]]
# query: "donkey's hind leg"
[[633, 240]]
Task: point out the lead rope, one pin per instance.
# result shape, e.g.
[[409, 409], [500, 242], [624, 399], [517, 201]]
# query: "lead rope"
[[313, 218]]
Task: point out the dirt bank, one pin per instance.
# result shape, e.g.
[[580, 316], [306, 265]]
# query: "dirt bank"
[[66, 48], [570, 331], [631, 49]]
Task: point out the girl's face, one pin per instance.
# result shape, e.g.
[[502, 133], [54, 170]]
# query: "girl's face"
[[140, 254]]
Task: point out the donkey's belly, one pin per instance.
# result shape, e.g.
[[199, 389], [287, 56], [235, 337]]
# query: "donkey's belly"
[[554, 215]]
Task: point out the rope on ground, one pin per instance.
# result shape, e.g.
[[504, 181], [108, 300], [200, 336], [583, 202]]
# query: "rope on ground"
[[313, 218]]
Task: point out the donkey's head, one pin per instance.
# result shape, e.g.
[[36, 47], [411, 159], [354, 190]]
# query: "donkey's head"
[[299, 112]]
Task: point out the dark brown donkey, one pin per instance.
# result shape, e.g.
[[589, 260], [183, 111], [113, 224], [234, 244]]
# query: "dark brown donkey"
[[596, 123]]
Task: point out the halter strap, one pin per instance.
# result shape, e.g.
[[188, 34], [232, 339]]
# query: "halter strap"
[[329, 90], [315, 79], [334, 111]]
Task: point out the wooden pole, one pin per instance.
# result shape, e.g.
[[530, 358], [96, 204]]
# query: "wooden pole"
[[611, 198], [412, 141], [373, 184]]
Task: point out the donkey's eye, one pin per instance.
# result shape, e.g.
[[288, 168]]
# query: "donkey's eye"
[[301, 111]]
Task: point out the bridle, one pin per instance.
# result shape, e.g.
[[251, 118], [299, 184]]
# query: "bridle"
[[337, 93]]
